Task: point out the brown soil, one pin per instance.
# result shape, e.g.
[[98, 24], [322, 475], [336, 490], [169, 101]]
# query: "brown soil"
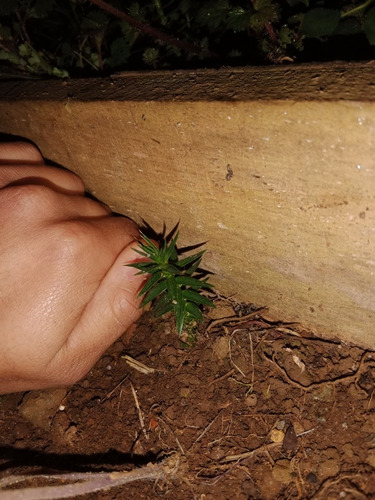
[[255, 410]]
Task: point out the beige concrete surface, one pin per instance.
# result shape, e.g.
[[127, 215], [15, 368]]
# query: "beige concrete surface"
[[283, 191]]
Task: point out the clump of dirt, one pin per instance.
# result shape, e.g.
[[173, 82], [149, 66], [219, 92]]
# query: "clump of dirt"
[[254, 410]]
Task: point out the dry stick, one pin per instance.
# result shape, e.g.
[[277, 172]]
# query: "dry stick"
[[370, 400], [115, 388], [173, 434], [341, 378], [223, 377], [322, 492], [236, 319], [146, 28], [265, 448], [205, 429], [262, 449], [231, 360], [250, 390], [141, 421], [252, 362], [91, 481]]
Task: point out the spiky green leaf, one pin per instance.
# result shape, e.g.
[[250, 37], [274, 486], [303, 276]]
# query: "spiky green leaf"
[[193, 296], [162, 306], [154, 292], [194, 311], [192, 282], [150, 283], [190, 260]]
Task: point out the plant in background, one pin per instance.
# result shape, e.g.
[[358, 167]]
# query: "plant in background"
[[175, 284], [98, 37]]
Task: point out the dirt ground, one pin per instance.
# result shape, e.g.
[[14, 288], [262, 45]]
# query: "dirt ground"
[[254, 410]]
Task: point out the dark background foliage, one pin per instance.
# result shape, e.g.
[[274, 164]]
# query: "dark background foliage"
[[93, 37]]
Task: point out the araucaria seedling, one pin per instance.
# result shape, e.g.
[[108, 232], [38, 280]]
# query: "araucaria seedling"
[[175, 284]]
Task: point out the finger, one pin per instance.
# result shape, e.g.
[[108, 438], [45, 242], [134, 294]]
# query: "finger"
[[95, 244], [44, 206], [20, 152], [56, 178], [111, 311]]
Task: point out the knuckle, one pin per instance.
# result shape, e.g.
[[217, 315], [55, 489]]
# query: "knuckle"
[[74, 239], [28, 200]]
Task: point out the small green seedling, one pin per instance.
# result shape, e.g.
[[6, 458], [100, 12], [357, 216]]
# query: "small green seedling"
[[175, 285]]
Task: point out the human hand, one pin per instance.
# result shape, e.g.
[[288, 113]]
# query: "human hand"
[[66, 293]]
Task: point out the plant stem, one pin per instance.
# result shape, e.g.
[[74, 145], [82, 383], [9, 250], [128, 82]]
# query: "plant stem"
[[271, 32], [357, 9], [84, 483], [146, 28]]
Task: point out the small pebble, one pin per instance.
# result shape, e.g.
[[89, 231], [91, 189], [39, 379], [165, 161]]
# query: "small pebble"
[[277, 436], [251, 400]]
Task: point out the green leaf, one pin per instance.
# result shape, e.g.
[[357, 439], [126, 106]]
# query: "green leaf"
[[150, 56], [179, 310], [212, 14], [5, 32], [194, 311], [348, 26], [170, 268], [150, 283], [120, 52], [172, 288], [320, 22], [60, 73], [162, 306], [136, 11], [189, 260], [238, 18], [192, 282], [12, 58], [197, 298], [369, 26], [23, 50], [286, 36], [7, 7], [292, 3], [154, 292], [41, 8], [145, 267], [95, 20], [170, 249]]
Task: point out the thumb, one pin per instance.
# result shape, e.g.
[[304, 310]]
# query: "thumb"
[[114, 307]]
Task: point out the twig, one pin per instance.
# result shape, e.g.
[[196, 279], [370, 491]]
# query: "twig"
[[169, 429], [141, 421], [337, 380], [146, 28], [231, 360], [262, 449], [89, 482], [223, 377], [115, 388], [370, 400], [205, 429], [251, 385], [252, 363], [322, 492], [137, 365], [236, 319]]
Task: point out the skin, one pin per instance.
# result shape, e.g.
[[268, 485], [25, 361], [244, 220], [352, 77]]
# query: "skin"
[[66, 293]]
